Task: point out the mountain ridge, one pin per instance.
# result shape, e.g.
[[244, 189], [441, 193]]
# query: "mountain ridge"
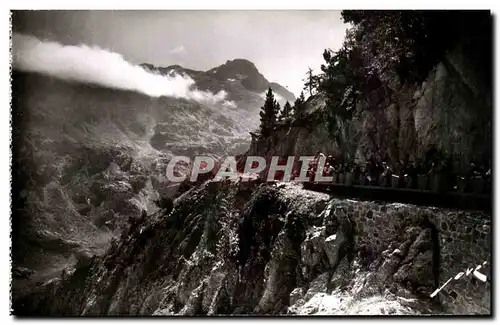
[[241, 70]]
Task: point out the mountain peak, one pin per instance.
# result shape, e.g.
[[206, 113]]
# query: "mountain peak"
[[242, 64], [237, 69], [233, 68], [241, 69]]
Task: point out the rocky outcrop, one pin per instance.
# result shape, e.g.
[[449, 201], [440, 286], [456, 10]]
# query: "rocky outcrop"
[[245, 248]]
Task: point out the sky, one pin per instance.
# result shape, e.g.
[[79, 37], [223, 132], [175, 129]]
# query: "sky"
[[282, 44]]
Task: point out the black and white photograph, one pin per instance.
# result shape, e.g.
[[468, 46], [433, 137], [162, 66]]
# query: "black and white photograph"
[[251, 163]]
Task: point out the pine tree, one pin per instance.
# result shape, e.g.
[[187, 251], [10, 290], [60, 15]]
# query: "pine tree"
[[277, 109], [286, 113], [299, 105], [311, 81], [268, 114]]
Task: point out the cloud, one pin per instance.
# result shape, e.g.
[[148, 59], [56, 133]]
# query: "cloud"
[[178, 50], [95, 65]]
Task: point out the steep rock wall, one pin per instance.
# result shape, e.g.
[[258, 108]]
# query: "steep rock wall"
[[450, 111]]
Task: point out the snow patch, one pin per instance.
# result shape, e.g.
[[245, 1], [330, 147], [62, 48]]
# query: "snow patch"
[[331, 238]]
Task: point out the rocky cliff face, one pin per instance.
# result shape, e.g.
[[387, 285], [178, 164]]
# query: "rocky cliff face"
[[279, 249], [450, 111]]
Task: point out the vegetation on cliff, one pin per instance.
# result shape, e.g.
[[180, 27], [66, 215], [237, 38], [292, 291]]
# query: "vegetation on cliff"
[[404, 84]]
